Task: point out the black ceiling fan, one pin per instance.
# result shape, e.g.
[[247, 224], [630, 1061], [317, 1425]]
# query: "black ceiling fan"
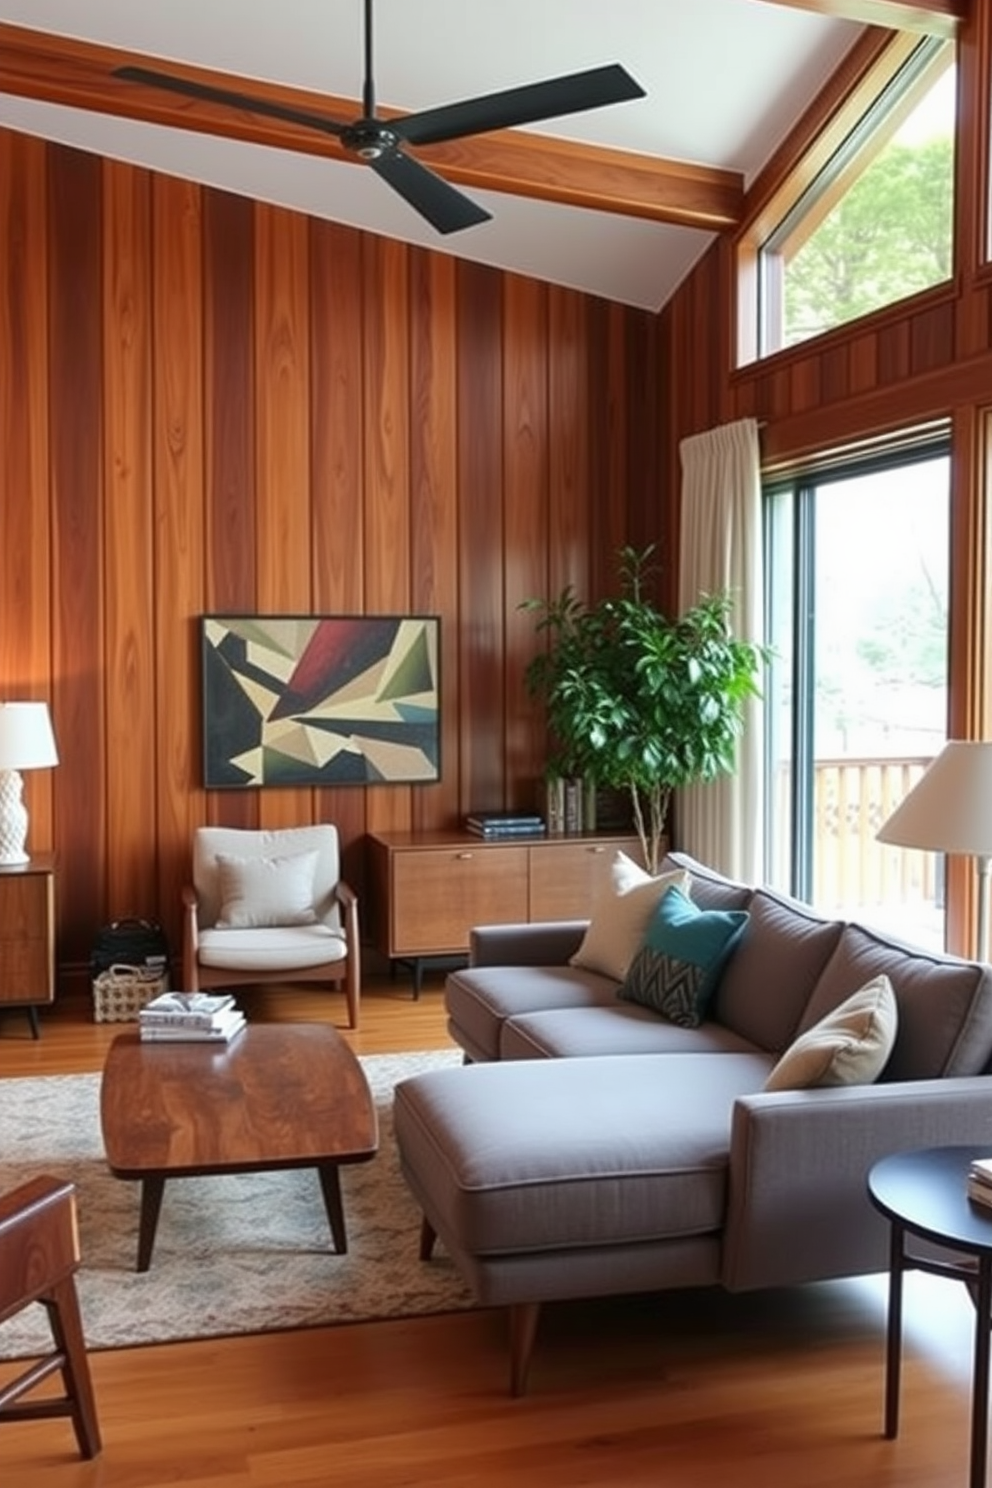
[[380, 142]]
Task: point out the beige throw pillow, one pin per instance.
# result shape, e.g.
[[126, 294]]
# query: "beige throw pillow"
[[260, 892], [620, 916], [850, 1046]]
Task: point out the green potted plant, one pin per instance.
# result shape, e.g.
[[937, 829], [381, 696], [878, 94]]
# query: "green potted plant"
[[637, 701]]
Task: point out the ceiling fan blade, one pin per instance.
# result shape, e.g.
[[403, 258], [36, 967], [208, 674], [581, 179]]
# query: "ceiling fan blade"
[[570, 94], [445, 208], [189, 89]]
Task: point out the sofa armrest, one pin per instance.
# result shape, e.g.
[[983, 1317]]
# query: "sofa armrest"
[[538, 943], [798, 1207]]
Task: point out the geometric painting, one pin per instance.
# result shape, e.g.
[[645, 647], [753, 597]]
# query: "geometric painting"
[[320, 699]]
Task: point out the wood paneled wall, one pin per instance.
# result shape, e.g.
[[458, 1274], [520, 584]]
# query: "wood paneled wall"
[[208, 404]]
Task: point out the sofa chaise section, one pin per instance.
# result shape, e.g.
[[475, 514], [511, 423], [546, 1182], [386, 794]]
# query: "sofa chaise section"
[[573, 1178], [591, 1146]]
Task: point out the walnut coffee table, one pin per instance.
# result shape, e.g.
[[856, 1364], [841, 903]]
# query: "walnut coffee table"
[[280, 1095]]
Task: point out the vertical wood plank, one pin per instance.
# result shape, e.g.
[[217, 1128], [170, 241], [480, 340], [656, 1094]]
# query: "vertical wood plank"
[[568, 442], [608, 394], [805, 390], [482, 725], [337, 476], [835, 373], [130, 694], [385, 422], [893, 353], [972, 161], [78, 655], [228, 419], [282, 460], [932, 339], [179, 507], [434, 503], [525, 473], [25, 631], [652, 509]]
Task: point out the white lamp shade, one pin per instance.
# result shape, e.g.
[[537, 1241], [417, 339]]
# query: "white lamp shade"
[[26, 738], [949, 809]]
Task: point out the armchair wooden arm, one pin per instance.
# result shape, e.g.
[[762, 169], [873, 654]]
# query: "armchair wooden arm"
[[191, 936], [348, 902], [39, 1256]]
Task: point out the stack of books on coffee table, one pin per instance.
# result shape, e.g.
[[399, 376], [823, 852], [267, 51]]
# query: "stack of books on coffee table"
[[492, 824], [192, 1017]]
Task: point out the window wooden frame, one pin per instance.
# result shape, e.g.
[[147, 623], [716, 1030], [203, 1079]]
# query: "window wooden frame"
[[870, 67]]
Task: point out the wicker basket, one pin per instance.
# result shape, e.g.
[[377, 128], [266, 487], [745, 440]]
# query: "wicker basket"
[[120, 992]]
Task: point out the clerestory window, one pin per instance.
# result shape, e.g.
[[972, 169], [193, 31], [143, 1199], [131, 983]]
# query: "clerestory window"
[[876, 222]]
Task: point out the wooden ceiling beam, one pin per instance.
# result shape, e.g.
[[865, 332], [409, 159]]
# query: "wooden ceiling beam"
[[929, 17], [76, 74]]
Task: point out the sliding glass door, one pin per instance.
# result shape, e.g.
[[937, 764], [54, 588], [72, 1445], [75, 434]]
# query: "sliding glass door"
[[856, 698]]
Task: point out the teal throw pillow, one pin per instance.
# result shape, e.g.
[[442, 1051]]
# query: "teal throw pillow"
[[685, 948]]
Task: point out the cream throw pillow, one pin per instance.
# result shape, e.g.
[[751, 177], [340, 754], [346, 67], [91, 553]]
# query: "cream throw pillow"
[[849, 1046], [620, 916], [260, 892]]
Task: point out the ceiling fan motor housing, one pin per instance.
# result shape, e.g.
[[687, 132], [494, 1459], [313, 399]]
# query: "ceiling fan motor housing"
[[369, 139]]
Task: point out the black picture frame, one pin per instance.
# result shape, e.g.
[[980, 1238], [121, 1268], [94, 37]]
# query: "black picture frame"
[[320, 700]]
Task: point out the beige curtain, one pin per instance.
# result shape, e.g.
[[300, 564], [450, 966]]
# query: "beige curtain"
[[721, 549]]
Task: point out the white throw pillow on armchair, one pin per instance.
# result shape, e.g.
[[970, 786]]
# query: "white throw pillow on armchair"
[[258, 893]]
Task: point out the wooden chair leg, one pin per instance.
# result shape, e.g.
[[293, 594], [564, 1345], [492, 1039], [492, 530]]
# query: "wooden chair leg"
[[523, 1330], [67, 1329], [427, 1237]]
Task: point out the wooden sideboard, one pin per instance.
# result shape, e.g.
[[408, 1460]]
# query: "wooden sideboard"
[[27, 935], [427, 889]]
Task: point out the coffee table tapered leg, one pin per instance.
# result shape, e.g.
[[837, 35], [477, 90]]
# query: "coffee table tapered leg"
[[330, 1182], [152, 1189]]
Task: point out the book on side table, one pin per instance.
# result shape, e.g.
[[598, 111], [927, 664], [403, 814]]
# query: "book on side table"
[[190, 1017], [980, 1181]]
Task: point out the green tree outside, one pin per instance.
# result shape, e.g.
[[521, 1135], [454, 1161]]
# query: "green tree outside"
[[889, 236]]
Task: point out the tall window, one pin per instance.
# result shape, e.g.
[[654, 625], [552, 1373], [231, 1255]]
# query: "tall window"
[[856, 699], [875, 224]]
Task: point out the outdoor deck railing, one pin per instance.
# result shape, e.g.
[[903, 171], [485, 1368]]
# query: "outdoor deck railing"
[[852, 798]]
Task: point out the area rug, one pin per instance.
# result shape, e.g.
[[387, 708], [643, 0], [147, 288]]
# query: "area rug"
[[245, 1253]]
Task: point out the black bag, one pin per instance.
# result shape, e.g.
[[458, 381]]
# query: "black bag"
[[140, 943]]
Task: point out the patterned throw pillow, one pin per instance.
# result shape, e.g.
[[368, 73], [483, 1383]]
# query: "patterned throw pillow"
[[685, 949]]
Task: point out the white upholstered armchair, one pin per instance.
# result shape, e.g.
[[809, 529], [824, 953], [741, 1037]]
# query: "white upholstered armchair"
[[270, 906]]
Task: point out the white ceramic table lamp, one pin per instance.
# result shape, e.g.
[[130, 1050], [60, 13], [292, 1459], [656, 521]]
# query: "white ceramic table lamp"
[[26, 743], [949, 810]]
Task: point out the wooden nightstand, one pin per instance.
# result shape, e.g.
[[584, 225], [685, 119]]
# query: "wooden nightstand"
[[27, 936]]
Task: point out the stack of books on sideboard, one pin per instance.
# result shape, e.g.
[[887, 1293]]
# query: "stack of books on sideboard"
[[498, 824], [192, 1017]]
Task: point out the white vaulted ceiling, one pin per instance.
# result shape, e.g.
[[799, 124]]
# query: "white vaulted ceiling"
[[725, 81]]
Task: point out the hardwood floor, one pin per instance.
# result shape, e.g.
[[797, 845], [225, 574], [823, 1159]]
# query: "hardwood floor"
[[682, 1390]]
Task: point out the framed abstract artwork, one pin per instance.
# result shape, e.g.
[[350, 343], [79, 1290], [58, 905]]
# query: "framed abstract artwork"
[[320, 699]]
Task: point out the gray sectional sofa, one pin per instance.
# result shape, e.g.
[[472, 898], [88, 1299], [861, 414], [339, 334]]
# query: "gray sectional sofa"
[[590, 1146]]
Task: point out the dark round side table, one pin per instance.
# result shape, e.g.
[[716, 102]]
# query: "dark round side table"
[[924, 1194]]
